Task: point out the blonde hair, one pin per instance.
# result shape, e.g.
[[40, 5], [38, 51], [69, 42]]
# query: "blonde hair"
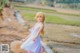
[[40, 14], [43, 19]]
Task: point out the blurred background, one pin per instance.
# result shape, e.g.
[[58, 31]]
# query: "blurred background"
[[62, 24], [74, 4]]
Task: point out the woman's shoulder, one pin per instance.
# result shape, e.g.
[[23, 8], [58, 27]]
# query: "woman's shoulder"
[[41, 25]]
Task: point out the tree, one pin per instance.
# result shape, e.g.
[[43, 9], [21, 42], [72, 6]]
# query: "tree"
[[2, 3], [50, 2]]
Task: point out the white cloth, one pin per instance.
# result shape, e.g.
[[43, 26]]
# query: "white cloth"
[[29, 44], [19, 18], [47, 49]]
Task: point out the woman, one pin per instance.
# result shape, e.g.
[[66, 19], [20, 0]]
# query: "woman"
[[32, 42]]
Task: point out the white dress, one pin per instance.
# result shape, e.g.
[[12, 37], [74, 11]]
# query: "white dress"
[[29, 44]]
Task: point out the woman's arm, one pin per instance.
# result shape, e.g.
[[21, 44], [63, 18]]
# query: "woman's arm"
[[25, 38]]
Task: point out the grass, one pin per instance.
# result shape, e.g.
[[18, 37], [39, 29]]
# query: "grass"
[[34, 9], [29, 15], [59, 20], [52, 19]]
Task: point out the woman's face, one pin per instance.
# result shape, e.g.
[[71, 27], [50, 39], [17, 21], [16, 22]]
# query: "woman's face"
[[39, 19]]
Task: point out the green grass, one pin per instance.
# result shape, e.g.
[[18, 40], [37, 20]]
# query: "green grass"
[[41, 9], [52, 19], [29, 15], [34, 9]]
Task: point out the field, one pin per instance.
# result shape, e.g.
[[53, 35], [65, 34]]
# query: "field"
[[51, 16], [60, 38], [60, 29]]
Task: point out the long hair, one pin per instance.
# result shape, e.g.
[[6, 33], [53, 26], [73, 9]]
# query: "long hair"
[[43, 19]]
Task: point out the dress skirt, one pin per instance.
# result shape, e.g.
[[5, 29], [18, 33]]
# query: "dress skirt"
[[32, 46]]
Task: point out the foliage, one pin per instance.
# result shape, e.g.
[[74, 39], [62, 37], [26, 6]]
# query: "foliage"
[[68, 1], [2, 3]]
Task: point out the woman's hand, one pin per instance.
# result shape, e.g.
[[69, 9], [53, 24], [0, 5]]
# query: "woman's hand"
[[34, 39], [23, 40]]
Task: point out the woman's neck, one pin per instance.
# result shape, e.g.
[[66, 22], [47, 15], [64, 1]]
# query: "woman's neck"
[[39, 22]]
